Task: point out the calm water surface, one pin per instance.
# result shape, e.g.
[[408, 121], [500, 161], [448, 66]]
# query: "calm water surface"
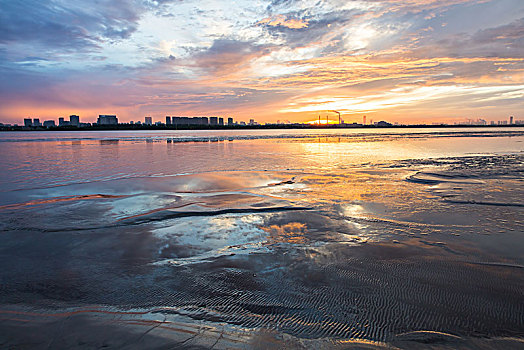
[[262, 238]]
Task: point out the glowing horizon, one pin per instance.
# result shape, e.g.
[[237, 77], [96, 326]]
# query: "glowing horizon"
[[412, 61]]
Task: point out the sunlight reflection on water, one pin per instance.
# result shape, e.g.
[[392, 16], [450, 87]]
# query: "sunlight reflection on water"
[[403, 240]]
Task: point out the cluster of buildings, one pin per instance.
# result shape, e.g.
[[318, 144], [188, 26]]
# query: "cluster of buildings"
[[480, 121], [203, 122], [186, 121], [74, 120], [110, 119], [197, 121]]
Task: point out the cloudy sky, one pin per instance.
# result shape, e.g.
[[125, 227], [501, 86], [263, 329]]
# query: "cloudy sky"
[[406, 61]]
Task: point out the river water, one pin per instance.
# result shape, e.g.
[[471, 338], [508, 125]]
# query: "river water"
[[262, 238]]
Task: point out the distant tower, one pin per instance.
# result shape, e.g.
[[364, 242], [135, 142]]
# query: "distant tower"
[[148, 121], [230, 121], [220, 121], [511, 120], [28, 122], [168, 120], [36, 122], [364, 120]]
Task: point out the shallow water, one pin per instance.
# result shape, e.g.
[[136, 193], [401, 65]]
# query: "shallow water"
[[246, 239]]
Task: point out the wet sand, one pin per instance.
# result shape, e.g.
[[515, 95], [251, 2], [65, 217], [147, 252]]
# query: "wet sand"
[[346, 244]]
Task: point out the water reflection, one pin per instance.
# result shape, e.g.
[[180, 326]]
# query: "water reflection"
[[388, 243], [292, 232], [109, 142]]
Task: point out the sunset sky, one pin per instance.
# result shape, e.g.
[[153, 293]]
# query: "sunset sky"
[[406, 61]]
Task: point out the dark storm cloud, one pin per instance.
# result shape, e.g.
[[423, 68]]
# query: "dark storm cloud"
[[66, 25]]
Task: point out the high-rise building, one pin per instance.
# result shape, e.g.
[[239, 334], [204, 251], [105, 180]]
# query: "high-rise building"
[[106, 119], [74, 120], [213, 120], [61, 121], [230, 121], [36, 122], [177, 120], [511, 120], [168, 120], [180, 120], [49, 123], [28, 122], [251, 121], [148, 121], [189, 121], [220, 121]]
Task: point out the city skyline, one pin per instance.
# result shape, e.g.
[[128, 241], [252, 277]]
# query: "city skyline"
[[216, 121], [325, 119], [417, 61]]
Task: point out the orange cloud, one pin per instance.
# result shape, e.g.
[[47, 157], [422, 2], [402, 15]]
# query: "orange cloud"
[[283, 21]]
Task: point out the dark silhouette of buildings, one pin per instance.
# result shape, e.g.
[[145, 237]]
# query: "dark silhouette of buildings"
[[189, 120], [63, 122], [105, 119], [74, 120]]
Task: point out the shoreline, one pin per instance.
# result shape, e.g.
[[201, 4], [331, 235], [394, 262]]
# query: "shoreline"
[[121, 127]]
